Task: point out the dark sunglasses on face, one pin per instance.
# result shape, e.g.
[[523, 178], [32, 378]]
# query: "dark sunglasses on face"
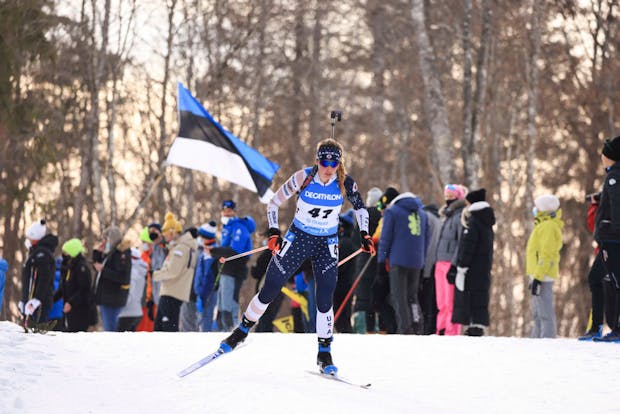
[[328, 163]]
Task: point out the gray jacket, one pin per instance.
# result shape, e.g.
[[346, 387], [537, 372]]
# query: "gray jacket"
[[451, 231], [434, 223]]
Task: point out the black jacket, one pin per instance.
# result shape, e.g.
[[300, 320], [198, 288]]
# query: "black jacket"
[[607, 222], [236, 268], [113, 282], [75, 289], [476, 253], [38, 273]]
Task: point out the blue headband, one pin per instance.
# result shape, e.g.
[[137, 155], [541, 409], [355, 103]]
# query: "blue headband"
[[329, 153]]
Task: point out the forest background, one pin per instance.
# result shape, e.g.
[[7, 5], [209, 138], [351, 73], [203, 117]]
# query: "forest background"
[[513, 96]]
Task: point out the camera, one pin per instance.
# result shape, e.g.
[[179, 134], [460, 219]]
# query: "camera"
[[594, 196]]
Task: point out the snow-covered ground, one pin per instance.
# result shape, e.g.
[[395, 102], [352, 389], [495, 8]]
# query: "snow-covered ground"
[[136, 373]]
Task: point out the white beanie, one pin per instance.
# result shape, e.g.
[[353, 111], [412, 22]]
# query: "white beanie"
[[208, 230], [547, 202], [37, 230], [373, 196]]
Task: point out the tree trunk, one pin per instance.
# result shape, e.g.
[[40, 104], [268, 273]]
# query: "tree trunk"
[[434, 106]]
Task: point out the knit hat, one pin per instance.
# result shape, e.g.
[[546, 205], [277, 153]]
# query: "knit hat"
[[144, 236], [373, 195], [456, 190], [73, 247], [155, 225], [171, 223], [476, 195], [611, 148], [390, 194], [37, 230], [208, 230], [229, 204], [547, 202]]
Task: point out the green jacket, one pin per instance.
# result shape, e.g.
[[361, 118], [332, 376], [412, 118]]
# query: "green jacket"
[[543, 246]]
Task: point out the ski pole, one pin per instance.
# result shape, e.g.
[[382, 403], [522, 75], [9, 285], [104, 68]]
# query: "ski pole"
[[223, 260], [349, 257], [355, 282]]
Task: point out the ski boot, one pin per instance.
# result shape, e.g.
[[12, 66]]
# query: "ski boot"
[[613, 336], [324, 357], [592, 333], [237, 336]]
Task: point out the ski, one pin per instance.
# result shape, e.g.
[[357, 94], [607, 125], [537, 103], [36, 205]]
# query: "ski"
[[199, 364], [340, 379]]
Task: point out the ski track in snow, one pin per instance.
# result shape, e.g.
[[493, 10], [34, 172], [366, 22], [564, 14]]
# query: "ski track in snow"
[[136, 373]]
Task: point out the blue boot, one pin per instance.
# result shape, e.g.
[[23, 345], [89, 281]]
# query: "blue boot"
[[324, 358], [237, 336], [613, 336], [592, 333]]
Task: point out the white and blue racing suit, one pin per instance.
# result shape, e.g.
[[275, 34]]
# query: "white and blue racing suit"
[[312, 235]]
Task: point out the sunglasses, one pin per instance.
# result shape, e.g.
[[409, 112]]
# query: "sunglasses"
[[329, 163]]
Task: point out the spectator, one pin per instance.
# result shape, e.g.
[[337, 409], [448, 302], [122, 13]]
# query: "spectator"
[[451, 230], [542, 263], [405, 237], [597, 283], [428, 300], [112, 261], [176, 275], [365, 316], [607, 231], [475, 257], [236, 238], [146, 249], [55, 314], [159, 252], [75, 287], [131, 314], [386, 317], [204, 277], [38, 275]]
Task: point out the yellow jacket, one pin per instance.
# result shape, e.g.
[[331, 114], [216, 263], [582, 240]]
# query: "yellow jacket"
[[177, 273], [543, 247]]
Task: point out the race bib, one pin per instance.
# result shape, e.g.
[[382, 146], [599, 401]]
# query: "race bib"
[[287, 241], [332, 245]]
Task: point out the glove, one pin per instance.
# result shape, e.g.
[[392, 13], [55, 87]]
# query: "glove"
[[451, 275], [459, 281], [275, 240], [367, 245], [31, 306], [150, 309], [535, 287]]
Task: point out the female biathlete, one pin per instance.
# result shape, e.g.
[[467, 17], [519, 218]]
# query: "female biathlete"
[[312, 235]]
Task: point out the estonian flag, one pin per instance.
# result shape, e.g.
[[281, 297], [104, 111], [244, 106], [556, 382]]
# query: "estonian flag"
[[204, 145]]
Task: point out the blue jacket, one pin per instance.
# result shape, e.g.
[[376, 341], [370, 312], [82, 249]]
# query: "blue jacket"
[[4, 267], [204, 277], [405, 234], [56, 311], [237, 234]]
